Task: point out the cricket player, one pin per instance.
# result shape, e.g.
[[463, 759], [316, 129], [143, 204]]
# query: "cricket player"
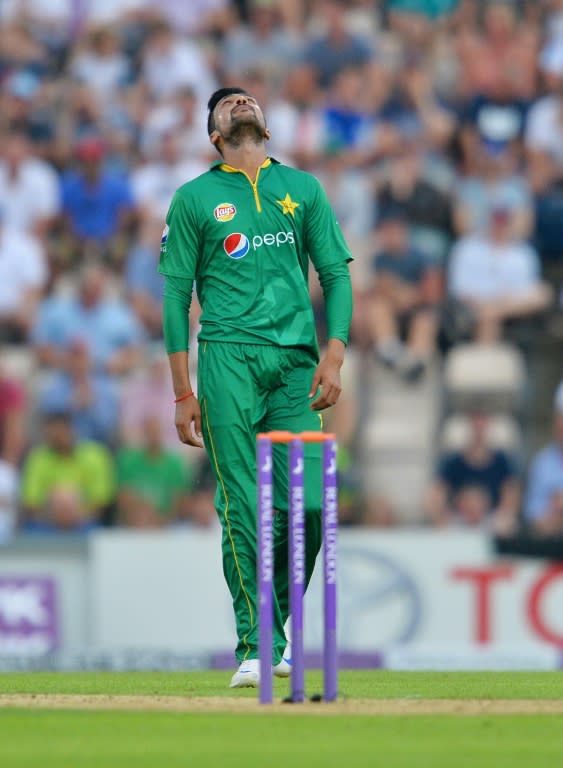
[[245, 232]]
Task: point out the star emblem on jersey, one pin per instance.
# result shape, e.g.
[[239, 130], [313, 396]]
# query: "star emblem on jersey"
[[288, 205]]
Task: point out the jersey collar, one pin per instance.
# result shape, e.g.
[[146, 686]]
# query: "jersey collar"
[[222, 166]]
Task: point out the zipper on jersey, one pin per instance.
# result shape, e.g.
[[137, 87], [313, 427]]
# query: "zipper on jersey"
[[253, 184]]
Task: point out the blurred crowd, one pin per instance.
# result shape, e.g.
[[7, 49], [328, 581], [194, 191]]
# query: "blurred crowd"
[[436, 127]]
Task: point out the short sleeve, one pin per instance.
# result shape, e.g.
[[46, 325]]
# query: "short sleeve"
[[324, 238], [181, 239]]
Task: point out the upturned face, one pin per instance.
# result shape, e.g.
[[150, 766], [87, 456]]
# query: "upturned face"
[[238, 110]]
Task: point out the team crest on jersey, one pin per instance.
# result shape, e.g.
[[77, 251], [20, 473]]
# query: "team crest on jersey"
[[236, 245], [225, 212]]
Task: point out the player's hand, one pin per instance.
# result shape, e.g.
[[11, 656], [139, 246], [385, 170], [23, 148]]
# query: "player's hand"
[[188, 422], [327, 377]]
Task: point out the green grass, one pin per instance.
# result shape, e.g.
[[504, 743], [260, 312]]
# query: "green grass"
[[361, 684], [96, 739], [139, 740]]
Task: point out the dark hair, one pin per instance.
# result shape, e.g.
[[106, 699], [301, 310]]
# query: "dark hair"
[[214, 99]]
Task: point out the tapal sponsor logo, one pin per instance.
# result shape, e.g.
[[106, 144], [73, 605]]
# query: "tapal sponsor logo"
[[225, 212]]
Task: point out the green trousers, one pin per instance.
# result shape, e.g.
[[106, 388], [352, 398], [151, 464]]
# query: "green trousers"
[[244, 389]]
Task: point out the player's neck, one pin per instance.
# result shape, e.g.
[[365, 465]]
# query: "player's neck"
[[247, 157]]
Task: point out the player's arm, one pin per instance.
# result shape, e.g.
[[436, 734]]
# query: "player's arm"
[[178, 261], [330, 256], [176, 323]]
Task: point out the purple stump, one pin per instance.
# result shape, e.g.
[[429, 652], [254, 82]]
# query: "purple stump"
[[296, 523], [265, 565], [330, 527]]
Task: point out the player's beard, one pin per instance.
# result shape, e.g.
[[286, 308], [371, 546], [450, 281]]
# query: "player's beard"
[[247, 128]]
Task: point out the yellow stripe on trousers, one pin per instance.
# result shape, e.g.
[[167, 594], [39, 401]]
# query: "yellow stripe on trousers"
[[229, 532]]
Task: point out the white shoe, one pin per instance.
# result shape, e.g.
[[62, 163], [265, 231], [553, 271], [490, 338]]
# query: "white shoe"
[[247, 675], [283, 669]]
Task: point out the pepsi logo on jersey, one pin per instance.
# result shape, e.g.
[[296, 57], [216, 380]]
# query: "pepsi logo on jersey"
[[236, 245]]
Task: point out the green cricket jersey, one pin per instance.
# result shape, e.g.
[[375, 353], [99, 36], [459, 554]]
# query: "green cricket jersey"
[[248, 245]]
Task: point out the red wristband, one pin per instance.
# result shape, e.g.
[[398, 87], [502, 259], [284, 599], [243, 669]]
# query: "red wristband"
[[184, 397]]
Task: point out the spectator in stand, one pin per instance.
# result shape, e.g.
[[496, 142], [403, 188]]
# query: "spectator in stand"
[[496, 121], [544, 131], [102, 66], [428, 209], [296, 115], [39, 13], [152, 482], [543, 511], [544, 145], [476, 485], [497, 278], [347, 141], [106, 326], [12, 420], [29, 187], [67, 484], [20, 49], [89, 396], [170, 62], [12, 444], [8, 500], [148, 391], [403, 302], [154, 184], [500, 56], [26, 107], [23, 276], [264, 44], [198, 509], [496, 183], [197, 17], [347, 128], [97, 201], [144, 285], [336, 48], [431, 9], [181, 117]]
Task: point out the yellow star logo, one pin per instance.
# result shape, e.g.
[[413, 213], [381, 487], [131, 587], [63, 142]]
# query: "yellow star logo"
[[288, 205]]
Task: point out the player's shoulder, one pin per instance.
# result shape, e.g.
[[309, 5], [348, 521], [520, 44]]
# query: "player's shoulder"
[[307, 187], [297, 176], [193, 188]]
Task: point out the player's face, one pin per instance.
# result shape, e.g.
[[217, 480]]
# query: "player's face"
[[236, 110]]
